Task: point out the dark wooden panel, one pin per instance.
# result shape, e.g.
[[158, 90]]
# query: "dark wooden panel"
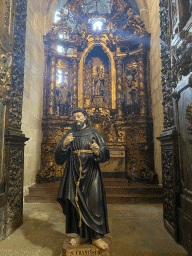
[[1, 134], [14, 161], [185, 227], [1, 222], [175, 24], [185, 136], [186, 204], [171, 177], [2, 213], [2, 200]]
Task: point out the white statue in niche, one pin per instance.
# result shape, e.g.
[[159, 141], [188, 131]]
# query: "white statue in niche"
[[130, 95], [98, 81], [97, 88], [63, 95]]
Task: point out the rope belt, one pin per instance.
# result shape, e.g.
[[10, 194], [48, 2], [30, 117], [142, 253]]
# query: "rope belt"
[[78, 152]]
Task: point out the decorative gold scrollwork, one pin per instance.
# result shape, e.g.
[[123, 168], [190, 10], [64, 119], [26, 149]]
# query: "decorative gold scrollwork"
[[5, 76]]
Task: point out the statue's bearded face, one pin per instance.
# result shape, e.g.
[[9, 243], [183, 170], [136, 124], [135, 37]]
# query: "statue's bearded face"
[[79, 120]]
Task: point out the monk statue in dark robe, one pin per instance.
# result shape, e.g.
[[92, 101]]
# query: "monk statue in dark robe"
[[81, 192]]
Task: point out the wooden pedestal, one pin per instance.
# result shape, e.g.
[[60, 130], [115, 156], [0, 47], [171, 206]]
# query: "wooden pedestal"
[[85, 248]]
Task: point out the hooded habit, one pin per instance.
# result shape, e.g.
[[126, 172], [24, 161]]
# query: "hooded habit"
[[91, 193]]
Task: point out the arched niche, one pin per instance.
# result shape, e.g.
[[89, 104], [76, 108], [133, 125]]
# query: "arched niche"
[[113, 73]]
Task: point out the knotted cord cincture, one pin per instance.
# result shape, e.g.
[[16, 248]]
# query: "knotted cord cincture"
[[78, 152]]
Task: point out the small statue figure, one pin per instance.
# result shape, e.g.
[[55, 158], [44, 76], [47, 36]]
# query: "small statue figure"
[[81, 193], [63, 100], [98, 88]]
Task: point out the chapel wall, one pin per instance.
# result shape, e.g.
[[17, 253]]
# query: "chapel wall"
[[39, 20], [1, 23], [33, 90], [155, 77]]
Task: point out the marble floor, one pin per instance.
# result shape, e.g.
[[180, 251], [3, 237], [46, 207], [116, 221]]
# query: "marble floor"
[[136, 229]]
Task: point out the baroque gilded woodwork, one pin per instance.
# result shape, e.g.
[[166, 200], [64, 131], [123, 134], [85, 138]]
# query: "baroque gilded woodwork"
[[169, 204], [105, 72], [5, 76], [119, 78], [181, 57], [168, 138], [189, 118], [17, 70], [171, 177], [176, 46], [175, 15], [166, 64], [7, 15], [15, 195], [75, 82], [12, 60], [14, 164]]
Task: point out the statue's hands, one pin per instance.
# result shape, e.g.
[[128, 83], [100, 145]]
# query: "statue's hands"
[[94, 146], [68, 140]]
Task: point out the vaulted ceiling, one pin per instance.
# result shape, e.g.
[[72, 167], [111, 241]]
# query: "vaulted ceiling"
[[137, 5]]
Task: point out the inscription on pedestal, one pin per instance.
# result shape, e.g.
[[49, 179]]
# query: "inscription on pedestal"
[[85, 249], [81, 251]]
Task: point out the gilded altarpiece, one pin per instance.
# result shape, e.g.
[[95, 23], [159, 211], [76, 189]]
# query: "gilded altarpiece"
[[104, 71]]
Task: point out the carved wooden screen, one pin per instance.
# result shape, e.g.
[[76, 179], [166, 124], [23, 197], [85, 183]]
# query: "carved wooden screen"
[[184, 119], [12, 58], [176, 139], [2, 181]]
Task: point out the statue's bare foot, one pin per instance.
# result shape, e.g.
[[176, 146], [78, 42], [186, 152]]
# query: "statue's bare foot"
[[76, 240], [100, 244]]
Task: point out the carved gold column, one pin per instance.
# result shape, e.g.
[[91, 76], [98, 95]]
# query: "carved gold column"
[[51, 93], [75, 83], [119, 70], [141, 84], [45, 81]]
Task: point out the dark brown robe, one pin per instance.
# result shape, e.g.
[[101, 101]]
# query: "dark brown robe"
[[91, 193]]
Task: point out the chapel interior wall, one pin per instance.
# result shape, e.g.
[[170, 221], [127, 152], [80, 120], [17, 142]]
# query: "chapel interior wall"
[[155, 77], [39, 21], [33, 90], [1, 19]]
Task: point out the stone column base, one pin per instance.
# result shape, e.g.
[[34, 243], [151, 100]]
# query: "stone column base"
[[85, 248]]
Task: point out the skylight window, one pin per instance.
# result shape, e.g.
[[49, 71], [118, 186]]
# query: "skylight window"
[[57, 16], [59, 76], [62, 36], [97, 25], [60, 49]]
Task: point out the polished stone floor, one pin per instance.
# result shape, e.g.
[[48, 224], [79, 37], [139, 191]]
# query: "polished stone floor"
[[136, 229]]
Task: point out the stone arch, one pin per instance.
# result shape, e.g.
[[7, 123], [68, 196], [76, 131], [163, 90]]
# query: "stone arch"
[[113, 73]]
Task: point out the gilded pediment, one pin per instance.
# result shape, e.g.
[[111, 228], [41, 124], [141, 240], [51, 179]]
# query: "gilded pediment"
[[121, 26]]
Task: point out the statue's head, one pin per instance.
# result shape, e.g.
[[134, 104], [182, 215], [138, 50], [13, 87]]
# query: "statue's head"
[[79, 116], [76, 110]]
